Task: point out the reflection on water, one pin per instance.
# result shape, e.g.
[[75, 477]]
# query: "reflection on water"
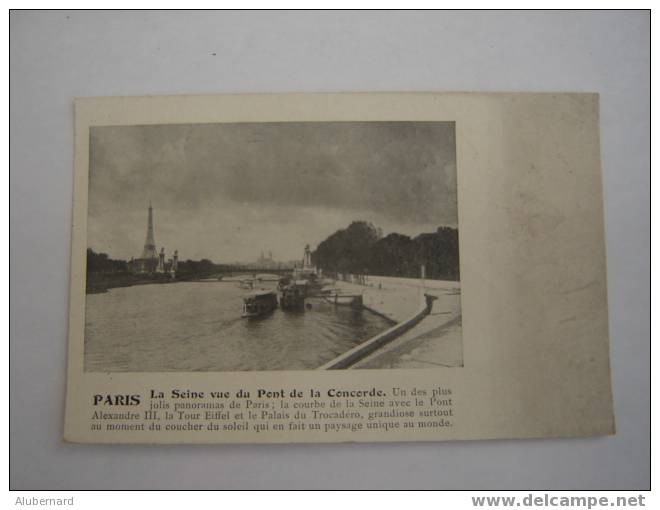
[[194, 326]]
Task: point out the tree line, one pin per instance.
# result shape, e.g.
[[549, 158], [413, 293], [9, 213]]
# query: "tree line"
[[361, 249], [202, 267], [101, 263]]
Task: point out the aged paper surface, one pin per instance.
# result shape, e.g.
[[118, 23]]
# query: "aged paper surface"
[[337, 267]]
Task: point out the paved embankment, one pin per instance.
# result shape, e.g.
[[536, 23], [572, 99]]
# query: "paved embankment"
[[434, 341]]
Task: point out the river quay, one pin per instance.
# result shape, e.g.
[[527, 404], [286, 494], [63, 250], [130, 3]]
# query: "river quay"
[[435, 341]]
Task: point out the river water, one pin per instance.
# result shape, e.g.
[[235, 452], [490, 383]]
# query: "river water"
[[197, 326]]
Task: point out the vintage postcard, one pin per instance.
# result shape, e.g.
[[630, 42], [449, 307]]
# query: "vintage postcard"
[[337, 267]]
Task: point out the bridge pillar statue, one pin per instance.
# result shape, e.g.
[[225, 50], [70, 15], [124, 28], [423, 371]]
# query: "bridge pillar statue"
[[307, 260], [161, 260]]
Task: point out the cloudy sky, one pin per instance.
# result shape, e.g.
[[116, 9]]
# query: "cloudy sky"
[[228, 191]]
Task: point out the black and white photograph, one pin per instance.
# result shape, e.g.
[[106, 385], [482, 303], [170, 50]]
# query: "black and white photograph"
[[272, 246]]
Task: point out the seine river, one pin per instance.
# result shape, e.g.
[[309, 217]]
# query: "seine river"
[[197, 326]]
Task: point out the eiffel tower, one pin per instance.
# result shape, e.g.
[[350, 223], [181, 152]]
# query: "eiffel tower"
[[149, 251]]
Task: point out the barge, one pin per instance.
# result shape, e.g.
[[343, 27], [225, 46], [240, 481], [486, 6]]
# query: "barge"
[[293, 294], [259, 303]]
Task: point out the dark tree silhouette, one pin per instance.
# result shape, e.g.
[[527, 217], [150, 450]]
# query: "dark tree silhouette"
[[101, 263], [393, 255], [347, 250], [361, 249]]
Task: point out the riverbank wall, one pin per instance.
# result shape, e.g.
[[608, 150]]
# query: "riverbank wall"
[[365, 348], [427, 324], [102, 282]]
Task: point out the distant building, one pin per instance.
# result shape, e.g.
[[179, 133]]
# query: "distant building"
[[152, 262], [267, 262]]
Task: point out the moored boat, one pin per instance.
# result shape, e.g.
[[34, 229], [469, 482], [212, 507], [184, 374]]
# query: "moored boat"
[[246, 284], [292, 295], [259, 303], [352, 300]]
